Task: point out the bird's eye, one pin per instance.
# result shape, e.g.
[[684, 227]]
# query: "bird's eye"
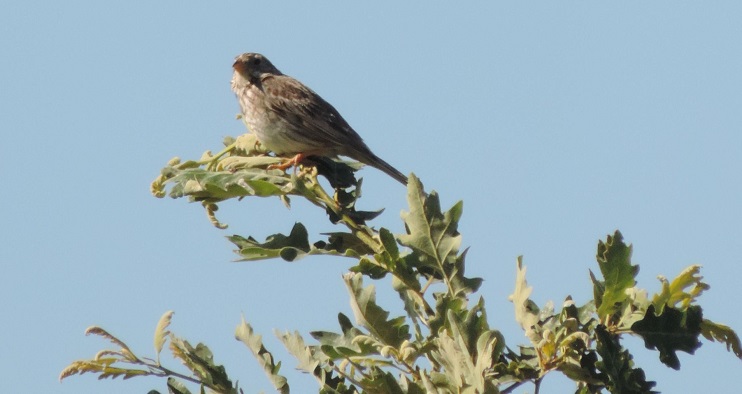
[[256, 61]]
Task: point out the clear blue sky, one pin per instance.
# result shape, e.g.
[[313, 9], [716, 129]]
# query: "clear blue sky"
[[555, 123]]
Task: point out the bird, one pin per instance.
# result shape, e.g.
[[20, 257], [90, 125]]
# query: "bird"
[[291, 120]]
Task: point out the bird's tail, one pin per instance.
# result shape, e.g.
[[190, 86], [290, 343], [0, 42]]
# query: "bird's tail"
[[375, 161]]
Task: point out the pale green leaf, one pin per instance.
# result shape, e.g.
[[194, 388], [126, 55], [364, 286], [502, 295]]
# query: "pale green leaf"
[[95, 330], [526, 311], [489, 346], [296, 245], [427, 383], [453, 359], [174, 386], [372, 317], [200, 184], [434, 239], [716, 332], [634, 309], [390, 244], [161, 332], [290, 248], [200, 360], [674, 293], [254, 342], [294, 343]]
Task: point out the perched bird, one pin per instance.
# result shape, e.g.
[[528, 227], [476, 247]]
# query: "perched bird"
[[290, 119]]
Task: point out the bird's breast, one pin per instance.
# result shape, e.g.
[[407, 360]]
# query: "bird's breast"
[[275, 132]]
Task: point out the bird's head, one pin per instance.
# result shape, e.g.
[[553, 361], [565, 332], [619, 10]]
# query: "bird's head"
[[254, 65]]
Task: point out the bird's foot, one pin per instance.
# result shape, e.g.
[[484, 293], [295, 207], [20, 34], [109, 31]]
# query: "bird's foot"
[[292, 162]]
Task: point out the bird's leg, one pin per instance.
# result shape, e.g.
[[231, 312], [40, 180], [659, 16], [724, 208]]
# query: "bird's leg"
[[294, 161]]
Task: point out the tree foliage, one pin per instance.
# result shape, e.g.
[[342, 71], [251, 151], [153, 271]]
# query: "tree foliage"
[[443, 343]]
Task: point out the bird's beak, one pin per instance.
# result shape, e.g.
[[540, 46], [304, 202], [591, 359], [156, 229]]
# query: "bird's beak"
[[239, 66]]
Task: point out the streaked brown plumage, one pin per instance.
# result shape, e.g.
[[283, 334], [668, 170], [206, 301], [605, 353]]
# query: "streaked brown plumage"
[[290, 119]]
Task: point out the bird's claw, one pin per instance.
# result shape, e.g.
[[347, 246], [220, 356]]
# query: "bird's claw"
[[292, 162]]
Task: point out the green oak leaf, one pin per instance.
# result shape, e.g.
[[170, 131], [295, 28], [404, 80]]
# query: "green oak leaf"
[[614, 259]]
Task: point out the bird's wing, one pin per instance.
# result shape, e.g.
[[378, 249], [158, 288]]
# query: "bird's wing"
[[312, 117]]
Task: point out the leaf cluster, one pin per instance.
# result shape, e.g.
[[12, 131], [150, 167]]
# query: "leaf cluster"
[[123, 362], [584, 341], [443, 342]]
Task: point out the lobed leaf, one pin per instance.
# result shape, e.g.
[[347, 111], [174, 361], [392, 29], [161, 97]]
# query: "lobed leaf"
[[199, 184], [429, 231], [614, 259], [296, 245], [336, 345], [200, 361], [372, 317], [670, 331], [294, 343], [526, 311], [290, 248], [434, 239], [675, 293], [345, 244], [254, 342], [716, 332]]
